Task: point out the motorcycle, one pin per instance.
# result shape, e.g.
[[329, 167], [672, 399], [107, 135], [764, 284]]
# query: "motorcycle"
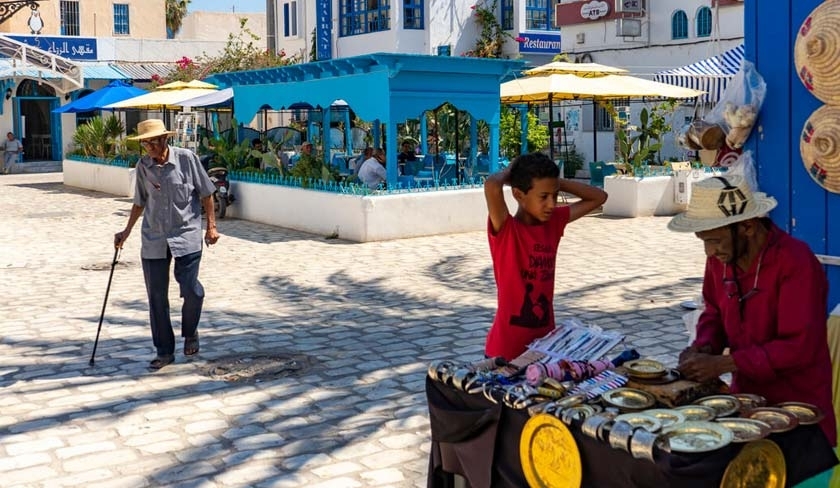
[[222, 197]]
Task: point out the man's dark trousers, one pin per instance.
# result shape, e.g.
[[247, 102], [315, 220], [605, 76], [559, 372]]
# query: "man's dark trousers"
[[156, 274]]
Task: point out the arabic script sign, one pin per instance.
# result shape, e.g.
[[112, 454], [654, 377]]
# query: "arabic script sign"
[[66, 47], [594, 10], [323, 29]]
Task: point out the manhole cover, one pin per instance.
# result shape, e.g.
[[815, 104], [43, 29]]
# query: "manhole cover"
[[257, 367], [107, 266]]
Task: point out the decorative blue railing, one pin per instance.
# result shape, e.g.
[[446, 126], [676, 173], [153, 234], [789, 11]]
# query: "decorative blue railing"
[[407, 186], [121, 162]]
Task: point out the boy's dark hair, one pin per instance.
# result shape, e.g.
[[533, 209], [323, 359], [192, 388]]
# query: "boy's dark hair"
[[526, 167]]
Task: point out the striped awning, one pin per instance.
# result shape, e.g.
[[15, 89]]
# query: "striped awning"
[[709, 75]]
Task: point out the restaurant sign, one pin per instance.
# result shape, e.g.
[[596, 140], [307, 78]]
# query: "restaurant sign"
[[594, 10], [323, 29], [530, 42], [67, 47]]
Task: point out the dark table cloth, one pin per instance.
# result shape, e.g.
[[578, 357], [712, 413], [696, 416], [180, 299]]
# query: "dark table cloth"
[[479, 440]]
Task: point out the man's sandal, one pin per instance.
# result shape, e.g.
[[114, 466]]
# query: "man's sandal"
[[161, 360], [191, 345]]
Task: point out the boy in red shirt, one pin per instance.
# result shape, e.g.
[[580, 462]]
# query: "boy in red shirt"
[[524, 248]]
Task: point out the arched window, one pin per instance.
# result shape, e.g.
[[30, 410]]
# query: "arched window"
[[704, 22], [679, 25]]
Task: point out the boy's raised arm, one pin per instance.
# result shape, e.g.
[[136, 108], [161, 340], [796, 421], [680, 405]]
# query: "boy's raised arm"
[[494, 194], [590, 197]]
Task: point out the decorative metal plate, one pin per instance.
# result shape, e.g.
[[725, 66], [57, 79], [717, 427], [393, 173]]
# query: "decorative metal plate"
[[641, 419], [645, 368], [550, 457], [806, 413], [695, 413], [666, 416], [746, 430], [750, 401], [724, 405], [697, 436], [670, 376], [780, 420], [628, 399], [760, 464]]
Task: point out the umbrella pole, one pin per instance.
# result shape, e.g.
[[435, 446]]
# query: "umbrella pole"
[[550, 128], [594, 133]]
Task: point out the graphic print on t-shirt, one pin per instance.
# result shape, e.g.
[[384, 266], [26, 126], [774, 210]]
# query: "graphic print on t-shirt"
[[540, 269], [530, 314]]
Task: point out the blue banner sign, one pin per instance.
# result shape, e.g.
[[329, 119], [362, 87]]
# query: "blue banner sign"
[[66, 47], [323, 29], [530, 42]]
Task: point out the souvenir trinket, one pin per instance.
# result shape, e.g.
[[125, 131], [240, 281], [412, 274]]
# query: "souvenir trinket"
[[694, 413], [645, 368], [628, 399], [666, 416], [549, 454], [620, 435], [641, 420], [644, 443], [780, 420], [750, 401], [592, 425], [697, 436], [745, 430], [759, 464], [724, 405], [806, 413]]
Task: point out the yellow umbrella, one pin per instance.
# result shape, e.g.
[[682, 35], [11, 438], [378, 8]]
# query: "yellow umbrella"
[[168, 96], [572, 87], [586, 70]]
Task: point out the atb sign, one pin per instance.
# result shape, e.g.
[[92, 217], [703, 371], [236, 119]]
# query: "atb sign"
[[530, 42], [594, 10]]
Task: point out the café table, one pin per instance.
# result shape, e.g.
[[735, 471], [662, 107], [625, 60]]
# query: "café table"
[[479, 440]]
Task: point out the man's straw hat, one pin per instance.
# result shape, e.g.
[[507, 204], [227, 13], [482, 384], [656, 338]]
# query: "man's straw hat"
[[149, 129], [817, 50], [720, 201], [819, 145]]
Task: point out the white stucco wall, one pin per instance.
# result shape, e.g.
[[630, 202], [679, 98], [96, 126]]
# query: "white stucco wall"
[[114, 180], [363, 218]]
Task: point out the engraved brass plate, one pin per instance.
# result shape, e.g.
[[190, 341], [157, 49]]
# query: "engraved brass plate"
[[549, 454]]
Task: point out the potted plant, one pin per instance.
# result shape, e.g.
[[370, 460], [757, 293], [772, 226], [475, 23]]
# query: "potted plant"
[[102, 159], [637, 191]]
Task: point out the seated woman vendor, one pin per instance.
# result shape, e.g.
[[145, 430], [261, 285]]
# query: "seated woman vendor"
[[765, 299]]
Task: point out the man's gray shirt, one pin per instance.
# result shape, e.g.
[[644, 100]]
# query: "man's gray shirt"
[[170, 195]]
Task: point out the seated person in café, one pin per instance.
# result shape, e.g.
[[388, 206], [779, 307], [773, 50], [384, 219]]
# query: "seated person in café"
[[765, 299], [358, 161], [523, 247], [372, 172], [406, 155]]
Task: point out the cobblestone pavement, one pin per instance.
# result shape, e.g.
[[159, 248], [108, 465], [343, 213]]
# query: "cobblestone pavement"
[[362, 320]]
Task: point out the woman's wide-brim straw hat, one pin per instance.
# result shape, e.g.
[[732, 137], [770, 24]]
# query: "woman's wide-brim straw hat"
[[817, 52], [719, 201], [149, 129], [819, 145]]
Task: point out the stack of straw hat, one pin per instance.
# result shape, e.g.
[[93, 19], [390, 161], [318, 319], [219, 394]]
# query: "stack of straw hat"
[[817, 57]]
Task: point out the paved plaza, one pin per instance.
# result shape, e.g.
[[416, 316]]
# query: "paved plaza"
[[354, 324]]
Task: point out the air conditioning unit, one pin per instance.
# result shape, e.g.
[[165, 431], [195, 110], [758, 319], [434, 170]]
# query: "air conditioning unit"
[[628, 6], [580, 37], [628, 27]]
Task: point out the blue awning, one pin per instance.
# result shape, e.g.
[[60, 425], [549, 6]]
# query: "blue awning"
[[709, 75]]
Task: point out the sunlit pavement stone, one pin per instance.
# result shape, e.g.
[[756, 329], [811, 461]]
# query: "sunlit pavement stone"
[[369, 317]]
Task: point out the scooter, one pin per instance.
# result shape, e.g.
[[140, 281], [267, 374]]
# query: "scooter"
[[222, 197]]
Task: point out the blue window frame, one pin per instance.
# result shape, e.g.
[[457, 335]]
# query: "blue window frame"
[[679, 25], [121, 19], [539, 15], [507, 14], [364, 16], [69, 18], [704, 22], [412, 14], [290, 22]]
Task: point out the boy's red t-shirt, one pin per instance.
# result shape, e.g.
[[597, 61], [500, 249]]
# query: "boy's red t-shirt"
[[524, 259]]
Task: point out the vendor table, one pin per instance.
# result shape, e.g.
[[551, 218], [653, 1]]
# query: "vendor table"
[[479, 440]]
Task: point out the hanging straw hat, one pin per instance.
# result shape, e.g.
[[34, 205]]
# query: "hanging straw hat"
[[817, 52], [149, 129], [819, 145], [720, 201]]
